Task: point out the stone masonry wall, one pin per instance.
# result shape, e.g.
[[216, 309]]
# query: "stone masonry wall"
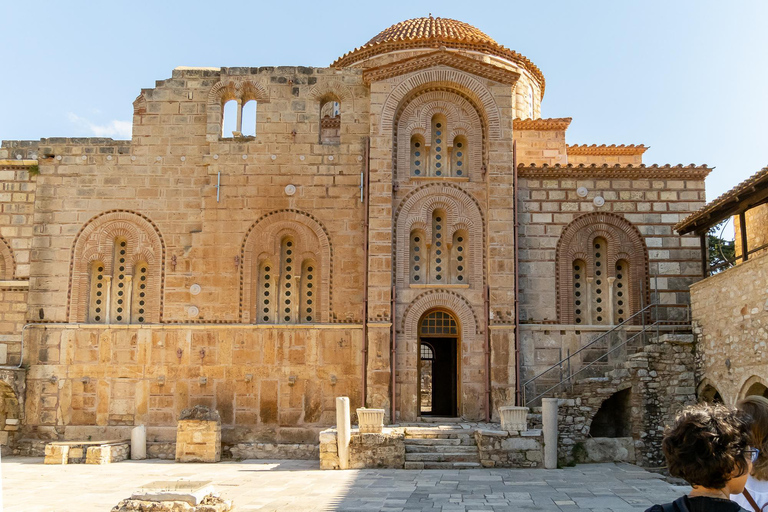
[[661, 380], [730, 314], [654, 206], [17, 199], [270, 385], [757, 230]]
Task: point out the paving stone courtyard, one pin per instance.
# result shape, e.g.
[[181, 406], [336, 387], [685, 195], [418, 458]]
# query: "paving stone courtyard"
[[30, 486]]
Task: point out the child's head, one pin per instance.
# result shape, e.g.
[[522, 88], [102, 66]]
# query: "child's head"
[[757, 409], [707, 446]]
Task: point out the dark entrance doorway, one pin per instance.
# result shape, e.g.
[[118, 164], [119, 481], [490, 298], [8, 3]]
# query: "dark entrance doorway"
[[438, 368]]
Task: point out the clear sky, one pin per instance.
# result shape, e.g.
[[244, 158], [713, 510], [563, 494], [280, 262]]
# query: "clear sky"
[[687, 77]]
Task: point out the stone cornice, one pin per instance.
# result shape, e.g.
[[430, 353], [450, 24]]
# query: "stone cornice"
[[444, 58], [691, 172], [603, 150], [555, 123]]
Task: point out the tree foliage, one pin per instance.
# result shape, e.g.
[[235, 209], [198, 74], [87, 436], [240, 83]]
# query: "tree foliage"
[[721, 250]]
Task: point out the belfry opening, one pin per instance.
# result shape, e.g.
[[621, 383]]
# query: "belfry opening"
[[438, 364]]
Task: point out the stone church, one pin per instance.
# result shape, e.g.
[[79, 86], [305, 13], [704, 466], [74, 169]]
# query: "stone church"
[[402, 228]]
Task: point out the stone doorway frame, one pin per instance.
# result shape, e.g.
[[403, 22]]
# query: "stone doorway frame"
[[457, 371]]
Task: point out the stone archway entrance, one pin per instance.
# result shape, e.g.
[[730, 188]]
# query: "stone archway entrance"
[[439, 343]]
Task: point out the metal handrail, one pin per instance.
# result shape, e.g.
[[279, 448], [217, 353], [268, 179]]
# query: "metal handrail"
[[571, 376], [606, 333]]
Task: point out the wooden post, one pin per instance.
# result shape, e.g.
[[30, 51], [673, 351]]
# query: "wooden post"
[[743, 229], [704, 256]]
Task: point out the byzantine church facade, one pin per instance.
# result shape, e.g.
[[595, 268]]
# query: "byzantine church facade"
[[402, 228]]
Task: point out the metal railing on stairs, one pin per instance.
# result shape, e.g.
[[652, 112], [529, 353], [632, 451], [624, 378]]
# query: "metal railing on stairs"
[[630, 330]]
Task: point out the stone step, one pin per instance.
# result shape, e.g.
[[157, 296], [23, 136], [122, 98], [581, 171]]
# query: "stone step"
[[442, 457], [440, 419], [451, 465], [433, 442], [439, 449]]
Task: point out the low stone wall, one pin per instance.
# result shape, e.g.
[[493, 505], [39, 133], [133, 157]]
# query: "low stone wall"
[[107, 454], [242, 451], [661, 382], [88, 452], [161, 450], [502, 449], [385, 450]]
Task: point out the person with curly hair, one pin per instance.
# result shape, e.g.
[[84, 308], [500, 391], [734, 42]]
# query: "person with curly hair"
[[755, 494], [708, 446]]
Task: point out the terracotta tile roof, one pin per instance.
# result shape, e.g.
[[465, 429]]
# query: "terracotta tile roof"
[[554, 123], [723, 207], [593, 171], [432, 32], [603, 150]]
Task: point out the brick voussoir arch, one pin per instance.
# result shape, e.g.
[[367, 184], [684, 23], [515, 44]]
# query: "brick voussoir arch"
[[624, 240], [417, 203], [452, 78], [440, 299], [331, 88], [94, 243], [285, 221], [6, 256]]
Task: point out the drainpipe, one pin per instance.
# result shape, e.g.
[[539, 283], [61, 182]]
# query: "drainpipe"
[[392, 361], [487, 353], [515, 237], [365, 198]]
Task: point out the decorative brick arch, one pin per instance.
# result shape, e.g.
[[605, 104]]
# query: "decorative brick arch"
[[94, 242], [7, 263], [331, 88], [230, 88], [443, 77], [140, 104], [462, 117], [624, 242], [470, 346], [262, 242], [440, 299], [748, 383], [463, 212]]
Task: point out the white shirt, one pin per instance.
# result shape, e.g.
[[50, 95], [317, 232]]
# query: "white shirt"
[[758, 489]]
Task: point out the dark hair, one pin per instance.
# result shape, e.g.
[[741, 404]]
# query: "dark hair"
[[706, 444], [757, 409]]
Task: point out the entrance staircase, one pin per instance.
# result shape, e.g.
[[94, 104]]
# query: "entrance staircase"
[[441, 447]]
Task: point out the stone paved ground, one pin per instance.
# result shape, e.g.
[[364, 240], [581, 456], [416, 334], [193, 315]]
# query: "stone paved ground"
[[30, 486]]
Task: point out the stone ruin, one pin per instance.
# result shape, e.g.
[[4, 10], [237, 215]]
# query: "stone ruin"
[[198, 435]]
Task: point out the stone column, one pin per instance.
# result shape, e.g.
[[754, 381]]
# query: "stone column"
[[343, 427], [549, 423], [139, 443]]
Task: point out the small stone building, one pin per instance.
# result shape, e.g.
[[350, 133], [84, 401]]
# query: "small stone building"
[[402, 227], [730, 307]]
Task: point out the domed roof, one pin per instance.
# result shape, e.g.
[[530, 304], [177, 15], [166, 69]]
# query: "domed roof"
[[432, 32], [431, 29]]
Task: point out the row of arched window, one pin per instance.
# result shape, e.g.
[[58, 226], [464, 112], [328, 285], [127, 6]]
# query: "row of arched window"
[[118, 296], [441, 259], [440, 157], [239, 119], [600, 291]]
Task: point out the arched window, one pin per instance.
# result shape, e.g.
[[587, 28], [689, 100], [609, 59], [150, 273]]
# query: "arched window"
[[231, 123], [288, 293], [418, 156], [330, 121], [418, 253], [248, 119], [601, 271], [444, 258], [118, 293], [458, 254], [117, 271], [459, 156], [438, 154]]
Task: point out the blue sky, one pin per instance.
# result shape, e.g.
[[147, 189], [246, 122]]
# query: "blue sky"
[[688, 78]]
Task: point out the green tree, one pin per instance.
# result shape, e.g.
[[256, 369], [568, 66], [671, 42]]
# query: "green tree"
[[721, 250]]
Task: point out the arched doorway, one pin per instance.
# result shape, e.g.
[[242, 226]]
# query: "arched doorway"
[[438, 364], [758, 388]]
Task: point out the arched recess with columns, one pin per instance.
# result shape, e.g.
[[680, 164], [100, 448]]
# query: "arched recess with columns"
[[117, 266], [418, 213], [7, 265], [470, 354], [473, 112], [602, 270], [266, 246]]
